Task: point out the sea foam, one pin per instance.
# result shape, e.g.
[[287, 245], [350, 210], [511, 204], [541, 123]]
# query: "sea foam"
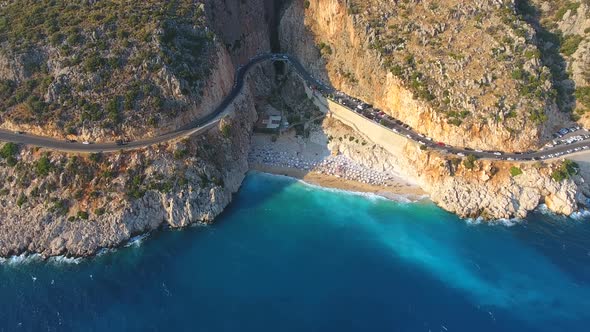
[[21, 259], [136, 241]]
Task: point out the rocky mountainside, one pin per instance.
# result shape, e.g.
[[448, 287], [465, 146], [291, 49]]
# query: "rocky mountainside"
[[469, 73], [56, 203], [564, 30], [100, 70]]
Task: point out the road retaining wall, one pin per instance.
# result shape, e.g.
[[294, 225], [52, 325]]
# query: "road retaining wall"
[[390, 141]]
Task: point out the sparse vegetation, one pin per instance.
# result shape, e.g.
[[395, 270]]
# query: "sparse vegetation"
[[413, 44], [9, 152], [515, 171], [43, 166], [118, 52], [470, 162], [570, 44], [226, 129], [567, 169]]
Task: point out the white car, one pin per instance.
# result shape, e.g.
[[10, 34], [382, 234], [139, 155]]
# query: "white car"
[[497, 153], [461, 154], [478, 151], [86, 143]]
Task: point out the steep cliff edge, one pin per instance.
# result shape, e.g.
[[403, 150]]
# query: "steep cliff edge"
[[56, 203], [438, 66]]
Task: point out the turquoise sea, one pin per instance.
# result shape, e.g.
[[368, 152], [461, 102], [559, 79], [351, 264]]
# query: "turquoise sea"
[[286, 256]]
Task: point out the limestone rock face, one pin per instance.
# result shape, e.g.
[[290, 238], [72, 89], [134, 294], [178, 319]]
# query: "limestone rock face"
[[449, 69], [174, 185], [452, 82], [488, 190]]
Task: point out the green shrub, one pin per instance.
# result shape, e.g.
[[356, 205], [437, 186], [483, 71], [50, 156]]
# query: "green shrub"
[[570, 44], [180, 153], [93, 63], [469, 162], [96, 157], [226, 129], [515, 171], [22, 199], [9, 150], [61, 207], [567, 169], [99, 211], [583, 96], [43, 166], [83, 215]]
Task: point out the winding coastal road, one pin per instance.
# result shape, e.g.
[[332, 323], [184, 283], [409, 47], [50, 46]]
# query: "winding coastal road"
[[202, 124]]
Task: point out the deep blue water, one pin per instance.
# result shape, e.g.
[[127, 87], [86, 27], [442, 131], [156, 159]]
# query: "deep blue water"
[[289, 257]]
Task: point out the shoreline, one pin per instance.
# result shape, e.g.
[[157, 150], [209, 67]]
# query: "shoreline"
[[398, 194], [410, 192]]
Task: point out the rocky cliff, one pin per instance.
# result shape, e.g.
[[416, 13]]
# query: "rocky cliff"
[[452, 75], [437, 65], [478, 188], [56, 204], [121, 71]]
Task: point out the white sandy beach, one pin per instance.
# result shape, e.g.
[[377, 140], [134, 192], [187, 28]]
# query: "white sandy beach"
[[311, 161]]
